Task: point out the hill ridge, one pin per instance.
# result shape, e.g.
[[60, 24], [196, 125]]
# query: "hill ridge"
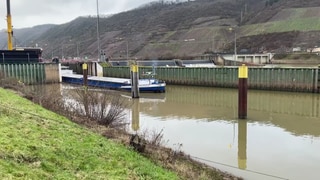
[[164, 29]]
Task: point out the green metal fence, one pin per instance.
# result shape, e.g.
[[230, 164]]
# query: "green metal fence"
[[280, 79], [26, 73]]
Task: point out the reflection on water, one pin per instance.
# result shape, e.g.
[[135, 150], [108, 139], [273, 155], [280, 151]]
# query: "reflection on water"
[[278, 108], [242, 144], [135, 115], [280, 139]]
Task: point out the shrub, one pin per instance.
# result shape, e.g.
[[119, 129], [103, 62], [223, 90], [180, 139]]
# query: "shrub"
[[107, 108]]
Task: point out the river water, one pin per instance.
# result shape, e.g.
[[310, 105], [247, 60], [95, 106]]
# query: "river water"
[[279, 140]]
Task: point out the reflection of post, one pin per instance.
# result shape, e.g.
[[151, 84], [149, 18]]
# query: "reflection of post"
[[28, 57], [134, 81], [316, 106], [3, 58], [242, 144], [317, 80], [135, 115]]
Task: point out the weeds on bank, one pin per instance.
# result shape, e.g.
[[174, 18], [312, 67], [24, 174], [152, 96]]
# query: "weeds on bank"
[[83, 106], [39, 144], [94, 109], [107, 108]]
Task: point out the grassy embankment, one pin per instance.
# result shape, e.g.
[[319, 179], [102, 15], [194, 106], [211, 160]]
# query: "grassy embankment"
[[293, 19], [305, 59], [39, 144]]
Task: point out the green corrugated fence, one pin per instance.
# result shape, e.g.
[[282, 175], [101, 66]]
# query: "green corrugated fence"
[[26, 73], [280, 79]]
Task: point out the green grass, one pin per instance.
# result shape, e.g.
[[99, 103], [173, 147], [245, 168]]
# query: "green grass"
[[39, 144], [294, 19], [306, 24]]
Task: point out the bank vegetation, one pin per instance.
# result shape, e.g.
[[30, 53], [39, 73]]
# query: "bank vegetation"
[[82, 137]]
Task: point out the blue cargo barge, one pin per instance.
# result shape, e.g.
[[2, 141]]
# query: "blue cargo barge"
[[145, 85]]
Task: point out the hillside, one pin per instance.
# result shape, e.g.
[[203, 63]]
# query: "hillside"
[[162, 29], [25, 36]]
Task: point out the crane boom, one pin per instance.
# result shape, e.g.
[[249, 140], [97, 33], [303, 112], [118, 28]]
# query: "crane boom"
[[9, 26], [18, 55]]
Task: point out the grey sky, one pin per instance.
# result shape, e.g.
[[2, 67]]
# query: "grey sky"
[[28, 13]]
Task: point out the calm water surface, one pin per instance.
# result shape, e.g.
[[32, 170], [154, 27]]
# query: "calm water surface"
[[279, 140]]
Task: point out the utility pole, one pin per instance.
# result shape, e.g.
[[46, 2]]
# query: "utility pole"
[[127, 50], [235, 44], [78, 56], [98, 33], [62, 52]]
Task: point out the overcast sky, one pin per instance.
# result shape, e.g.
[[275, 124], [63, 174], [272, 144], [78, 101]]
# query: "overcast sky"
[[28, 13]]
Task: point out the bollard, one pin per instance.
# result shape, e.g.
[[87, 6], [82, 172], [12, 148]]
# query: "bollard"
[[243, 91], [134, 81], [85, 74]]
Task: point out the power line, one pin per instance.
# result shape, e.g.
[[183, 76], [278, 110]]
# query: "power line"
[[227, 165], [36, 115]]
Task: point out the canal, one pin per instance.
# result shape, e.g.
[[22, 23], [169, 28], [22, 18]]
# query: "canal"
[[279, 140]]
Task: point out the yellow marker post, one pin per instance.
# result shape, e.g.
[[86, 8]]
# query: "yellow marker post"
[[134, 81], [243, 91], [85, 74], [84, 66], [134, 68]]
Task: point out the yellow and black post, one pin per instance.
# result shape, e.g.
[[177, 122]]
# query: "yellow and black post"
[[85, 74], [243, 91], [135, 81]]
